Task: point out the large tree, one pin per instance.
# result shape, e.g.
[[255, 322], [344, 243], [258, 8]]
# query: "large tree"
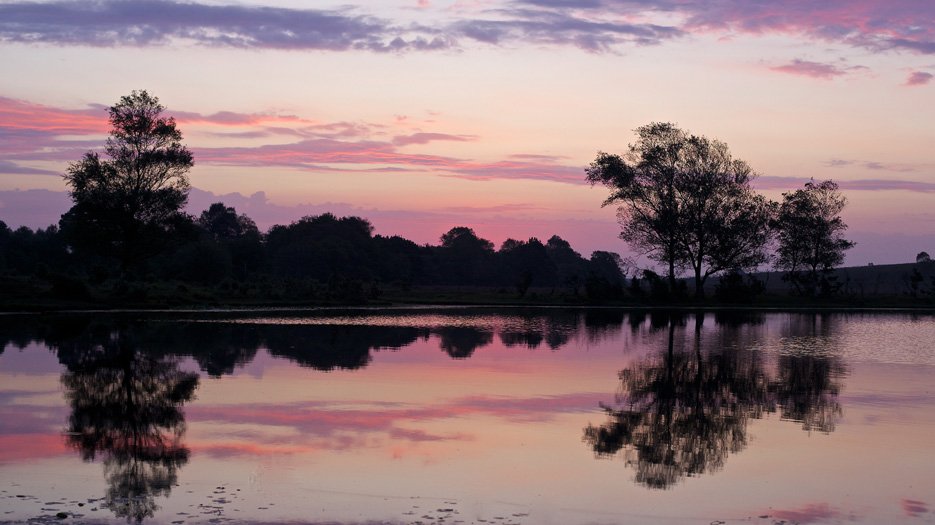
[[125, 205], [644, 181], [686, 202], [811, 236]]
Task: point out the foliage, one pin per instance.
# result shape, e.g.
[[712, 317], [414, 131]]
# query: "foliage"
[[811, 237], [923, 257], [686, 202], [735, 287], [128, 204], [605, 279]]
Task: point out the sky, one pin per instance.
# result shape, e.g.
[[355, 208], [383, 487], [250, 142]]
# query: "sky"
[[422, 115]]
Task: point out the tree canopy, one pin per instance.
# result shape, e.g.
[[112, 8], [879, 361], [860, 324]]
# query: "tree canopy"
[[125, 203], [810, 231], [686, 202]]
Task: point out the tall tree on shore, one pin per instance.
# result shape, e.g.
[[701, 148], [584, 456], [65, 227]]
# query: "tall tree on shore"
[[125, 204], [811, 236], [644, 180], [686, 202]]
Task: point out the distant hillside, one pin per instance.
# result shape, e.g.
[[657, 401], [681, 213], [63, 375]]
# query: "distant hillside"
[[865, 281]]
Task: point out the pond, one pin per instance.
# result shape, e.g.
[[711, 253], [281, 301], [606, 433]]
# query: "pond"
[[468, 415]]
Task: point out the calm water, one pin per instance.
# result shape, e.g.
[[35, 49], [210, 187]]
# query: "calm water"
[[468, 416]]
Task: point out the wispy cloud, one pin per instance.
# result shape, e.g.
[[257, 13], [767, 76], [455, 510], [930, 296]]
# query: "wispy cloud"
[[38, 133], [919, 78], [425, 138], [592, 25], [808, 68], [791, 183], [872, 165], [591, 31], [159, 22]]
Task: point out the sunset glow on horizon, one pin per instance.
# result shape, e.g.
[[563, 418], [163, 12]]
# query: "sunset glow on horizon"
[[422, 115]]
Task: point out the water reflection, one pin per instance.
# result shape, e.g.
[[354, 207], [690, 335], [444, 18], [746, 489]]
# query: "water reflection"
[[679, 411], [126, 409], [682, 410]]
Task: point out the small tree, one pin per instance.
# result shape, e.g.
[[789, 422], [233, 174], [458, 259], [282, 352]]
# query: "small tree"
[[125, 205], [223, 223], [811, 236], [923, 257]]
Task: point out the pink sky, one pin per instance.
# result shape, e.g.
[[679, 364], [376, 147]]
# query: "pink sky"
[[424, 115]]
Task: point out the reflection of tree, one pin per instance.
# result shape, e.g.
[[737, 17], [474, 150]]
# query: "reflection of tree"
[[533, 329], [806, 386], [326, 347], [126, 408], [686, 408], [685, 411], [460, 342], [806, 390]]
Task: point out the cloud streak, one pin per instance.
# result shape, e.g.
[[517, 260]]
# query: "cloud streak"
[[323, 427], [34, 133], [807, 68], [108, 23], [591, 25], [919, 78]]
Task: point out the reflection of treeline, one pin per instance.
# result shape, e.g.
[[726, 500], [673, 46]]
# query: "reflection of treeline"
[[323, 258], [222, 344], [681, 411]]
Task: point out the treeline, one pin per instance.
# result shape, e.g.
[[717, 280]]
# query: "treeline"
[[322, 257]]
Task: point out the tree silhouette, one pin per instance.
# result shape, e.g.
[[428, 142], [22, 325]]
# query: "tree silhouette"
[[811, 236], [686, 202], [126, 408], [127, 205], [460, 342]]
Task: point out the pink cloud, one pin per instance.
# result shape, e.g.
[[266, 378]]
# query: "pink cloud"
[[22, 116], [31, 133], [791, 183], [811, 69], [870, 24], [425, 138], [919, 78]]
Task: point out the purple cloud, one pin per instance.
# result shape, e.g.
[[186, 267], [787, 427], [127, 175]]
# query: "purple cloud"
[[876, 25], [790, 183], [592, 25], [546, 26], [871, 165], [158, 22], [425, 138], [807, 68], [919, 78]]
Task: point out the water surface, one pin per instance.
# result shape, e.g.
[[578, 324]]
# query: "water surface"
[[468, 415]]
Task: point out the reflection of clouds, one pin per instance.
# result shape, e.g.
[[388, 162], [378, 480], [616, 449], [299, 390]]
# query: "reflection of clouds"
[[808, 513], [913, 508], [308, 427], [26, 447]]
